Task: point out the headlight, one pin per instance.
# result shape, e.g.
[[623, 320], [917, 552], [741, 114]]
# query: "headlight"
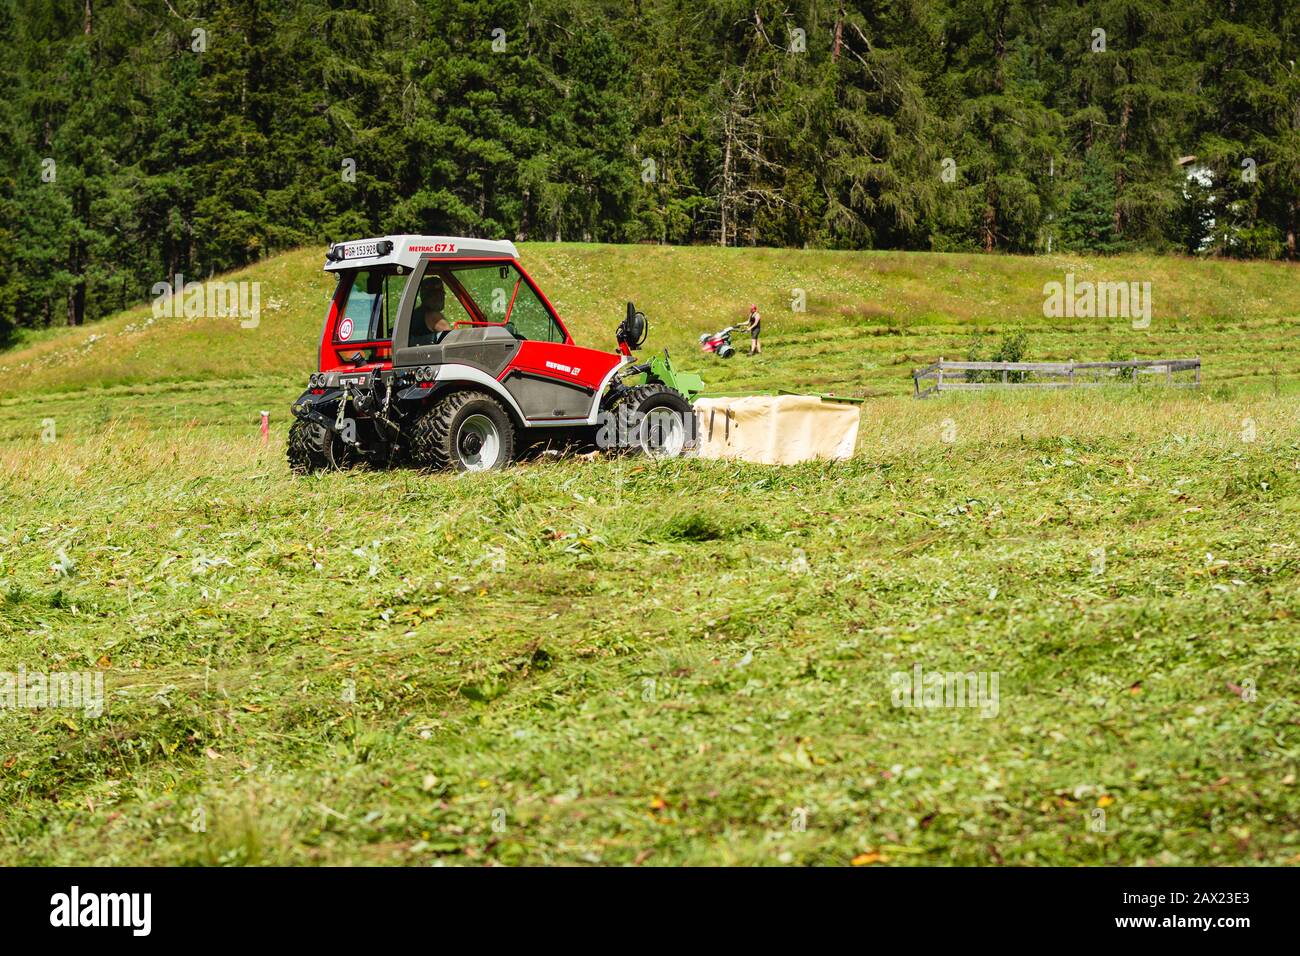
[[425, 373], [314, 380]]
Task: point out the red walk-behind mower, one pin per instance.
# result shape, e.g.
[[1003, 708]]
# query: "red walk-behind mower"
[[719, 343], [441, 352]]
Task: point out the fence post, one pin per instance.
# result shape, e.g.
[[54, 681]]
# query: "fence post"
[[1071, 373], [1198, 371], [939, 382]]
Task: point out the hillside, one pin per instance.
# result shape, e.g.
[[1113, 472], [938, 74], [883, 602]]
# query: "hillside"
[[869, 318]]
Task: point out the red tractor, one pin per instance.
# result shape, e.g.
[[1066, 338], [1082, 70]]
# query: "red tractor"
[[441, 352]]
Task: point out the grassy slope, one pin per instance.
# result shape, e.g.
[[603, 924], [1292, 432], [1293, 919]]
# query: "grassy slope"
[[870, 317], [663, 663]]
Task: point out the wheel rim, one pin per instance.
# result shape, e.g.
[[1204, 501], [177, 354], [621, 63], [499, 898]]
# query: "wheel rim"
[[337, 453], [478, 443], [663, 434]]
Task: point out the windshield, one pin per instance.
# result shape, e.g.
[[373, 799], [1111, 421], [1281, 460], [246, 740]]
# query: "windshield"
[[369, 310]]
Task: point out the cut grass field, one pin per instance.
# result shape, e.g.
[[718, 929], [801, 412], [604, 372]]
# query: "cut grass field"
[[620, 662]]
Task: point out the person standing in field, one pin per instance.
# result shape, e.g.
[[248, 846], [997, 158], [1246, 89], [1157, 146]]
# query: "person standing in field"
[[754, 323]]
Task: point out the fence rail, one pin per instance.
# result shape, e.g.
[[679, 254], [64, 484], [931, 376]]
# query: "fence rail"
[[972, 376]]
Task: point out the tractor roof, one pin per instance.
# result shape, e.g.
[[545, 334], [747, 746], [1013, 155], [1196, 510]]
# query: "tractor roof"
[[409, 250]]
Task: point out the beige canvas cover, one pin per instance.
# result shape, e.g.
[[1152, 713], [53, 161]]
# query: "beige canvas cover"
[[776, 429]]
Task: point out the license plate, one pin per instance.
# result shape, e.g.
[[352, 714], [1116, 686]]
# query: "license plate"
[[361, 250]]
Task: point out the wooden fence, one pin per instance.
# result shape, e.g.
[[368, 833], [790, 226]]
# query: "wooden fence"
[[969, 376]]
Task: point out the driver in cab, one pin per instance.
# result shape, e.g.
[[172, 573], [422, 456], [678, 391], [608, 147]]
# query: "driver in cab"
[[428, 325]]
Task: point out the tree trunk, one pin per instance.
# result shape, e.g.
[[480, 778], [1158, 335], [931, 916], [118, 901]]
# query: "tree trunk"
[[76, 303], [990, 223], [726, 175], [173, 253], [1124, 115], [522, 234], [77, 261], [1000, 49]]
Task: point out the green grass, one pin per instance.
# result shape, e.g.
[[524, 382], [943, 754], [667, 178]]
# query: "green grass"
[[613, 661]]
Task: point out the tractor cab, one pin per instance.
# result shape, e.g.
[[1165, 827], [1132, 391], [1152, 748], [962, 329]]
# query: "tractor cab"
[[409, 294]]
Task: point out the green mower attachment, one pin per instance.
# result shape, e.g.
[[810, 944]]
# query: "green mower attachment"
[[661, 372]]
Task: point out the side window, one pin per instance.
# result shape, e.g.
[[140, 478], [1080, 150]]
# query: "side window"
[[490, 287], [530, 318], [498, 293], [437, 309]]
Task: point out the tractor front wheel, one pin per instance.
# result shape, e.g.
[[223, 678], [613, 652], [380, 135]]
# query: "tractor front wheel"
[[661, 422], [305, 451], [464, 431]]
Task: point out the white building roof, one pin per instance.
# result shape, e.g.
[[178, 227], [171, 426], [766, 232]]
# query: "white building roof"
[[409, 250]]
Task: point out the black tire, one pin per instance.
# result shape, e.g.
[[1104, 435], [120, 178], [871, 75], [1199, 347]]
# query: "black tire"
[[454, 434], [304, 451], [645, 436]]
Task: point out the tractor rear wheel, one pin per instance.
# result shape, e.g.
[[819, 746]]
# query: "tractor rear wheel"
[[304, 452], [464, 431], [661, 420]]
